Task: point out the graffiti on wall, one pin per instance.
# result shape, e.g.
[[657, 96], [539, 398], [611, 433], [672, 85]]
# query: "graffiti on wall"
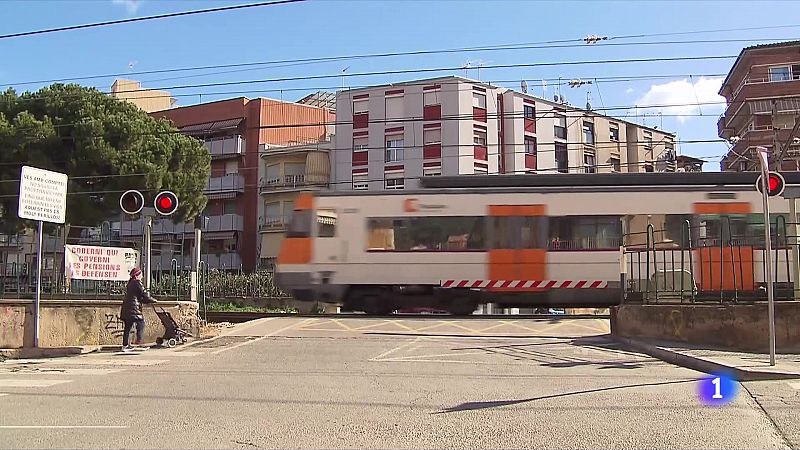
[[115, 325]]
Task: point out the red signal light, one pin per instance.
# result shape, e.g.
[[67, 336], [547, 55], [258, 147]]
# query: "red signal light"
[[775, 184], [166, 203]]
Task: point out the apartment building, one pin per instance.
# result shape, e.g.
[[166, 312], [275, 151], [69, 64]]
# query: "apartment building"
[[149, 100], [235, 132], [762, 91], [285, 172], [389, 136]]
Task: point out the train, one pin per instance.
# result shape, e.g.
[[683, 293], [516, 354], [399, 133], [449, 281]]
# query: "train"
[[533, 241]]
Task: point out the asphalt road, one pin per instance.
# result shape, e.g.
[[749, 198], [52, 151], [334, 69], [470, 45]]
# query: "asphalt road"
[[374, 383]]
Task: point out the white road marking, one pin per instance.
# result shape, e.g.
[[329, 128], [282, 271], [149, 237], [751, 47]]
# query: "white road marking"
[[30, 383], [296, 324], [795, 385], [390, 351], [185, 353], [121, 361], [58, 371], [61, 427], [2, 394]]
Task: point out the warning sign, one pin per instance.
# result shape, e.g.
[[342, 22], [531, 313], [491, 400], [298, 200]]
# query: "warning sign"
[[42, 195]]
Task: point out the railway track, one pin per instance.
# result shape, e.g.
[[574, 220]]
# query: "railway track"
[[240, 317]]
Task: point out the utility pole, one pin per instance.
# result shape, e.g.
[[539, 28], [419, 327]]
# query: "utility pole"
[[147, 253]]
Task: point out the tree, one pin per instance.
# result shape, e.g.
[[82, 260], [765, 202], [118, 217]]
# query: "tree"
[[105, 145]]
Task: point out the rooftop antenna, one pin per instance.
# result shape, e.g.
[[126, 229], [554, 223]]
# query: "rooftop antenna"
[[588, 100], [343, 71]]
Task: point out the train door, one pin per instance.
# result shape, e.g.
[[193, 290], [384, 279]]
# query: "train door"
[[518, 250], [724, 254]]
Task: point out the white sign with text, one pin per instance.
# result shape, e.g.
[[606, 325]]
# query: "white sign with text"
[[42, 195], [87, 262]]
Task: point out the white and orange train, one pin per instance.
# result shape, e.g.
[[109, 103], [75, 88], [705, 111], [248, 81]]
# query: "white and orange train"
[[527, 241]]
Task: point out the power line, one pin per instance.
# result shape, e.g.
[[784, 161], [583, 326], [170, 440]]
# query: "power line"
[[258, 65], [140, 19]]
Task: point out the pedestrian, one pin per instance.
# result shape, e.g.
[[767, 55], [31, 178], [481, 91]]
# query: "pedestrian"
[[131, 311]]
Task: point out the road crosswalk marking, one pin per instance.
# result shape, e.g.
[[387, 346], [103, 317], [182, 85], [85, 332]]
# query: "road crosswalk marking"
[[13, 382]]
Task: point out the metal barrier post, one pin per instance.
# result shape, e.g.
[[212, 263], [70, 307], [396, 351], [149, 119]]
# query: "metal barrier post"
[[795, 248]]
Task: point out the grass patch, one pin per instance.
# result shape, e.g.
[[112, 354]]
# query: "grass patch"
[[232, 307]]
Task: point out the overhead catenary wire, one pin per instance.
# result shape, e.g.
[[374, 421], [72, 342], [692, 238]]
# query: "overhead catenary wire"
[[141, 19], [260, 65]]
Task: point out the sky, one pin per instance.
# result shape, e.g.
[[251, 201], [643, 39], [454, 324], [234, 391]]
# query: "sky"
[[326, 28]]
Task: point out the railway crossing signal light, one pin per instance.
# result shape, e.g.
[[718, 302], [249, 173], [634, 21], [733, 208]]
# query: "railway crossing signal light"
[[166, 203], [775, 184], [131, 202]]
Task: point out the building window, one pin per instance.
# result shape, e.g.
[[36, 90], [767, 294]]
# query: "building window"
[[395, 181], [589, 163], [481, 170], [648, 146], [360, 181], [479, 100], [432, 136], [588, 133], [614, 132], [230, 207], [615, 165], [394, 107], [530, 112], [562, 158], [743, 166], [231, 167], [780, 73], [273, 174], [394, 149], [431, 171], [560, 126], [326, 223], [432, 97], [360, 144], [360, 106], [272, 214], [479, 138], [530, 146]]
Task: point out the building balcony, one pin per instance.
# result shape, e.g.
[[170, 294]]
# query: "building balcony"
[[225, 222], [222, 261], [759, 98], [291, 182], [225, 186], [225, 147], [274, 223]]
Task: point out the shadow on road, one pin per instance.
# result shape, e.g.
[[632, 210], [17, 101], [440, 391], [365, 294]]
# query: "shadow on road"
[[471, 406]]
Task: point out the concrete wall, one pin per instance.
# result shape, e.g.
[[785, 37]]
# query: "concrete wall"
[[83, 322], [736, 327]]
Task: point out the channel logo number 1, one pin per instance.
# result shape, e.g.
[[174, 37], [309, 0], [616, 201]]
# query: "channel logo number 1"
[[717, 390]]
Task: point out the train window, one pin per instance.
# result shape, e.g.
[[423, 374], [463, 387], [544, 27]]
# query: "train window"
[[437, 234], [300, 224], [326, 223], [585, 233], [517, 232]]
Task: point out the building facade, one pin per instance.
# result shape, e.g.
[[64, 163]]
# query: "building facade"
[[235, 132], [285, 172], [149, 100], [762, 91], [387, 137]]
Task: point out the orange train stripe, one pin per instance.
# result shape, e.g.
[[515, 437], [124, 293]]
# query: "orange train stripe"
[[516, 210], [722, 208], [295, 251], [305, 201]]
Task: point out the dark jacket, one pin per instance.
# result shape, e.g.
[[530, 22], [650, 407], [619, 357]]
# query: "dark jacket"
[[135, 296]]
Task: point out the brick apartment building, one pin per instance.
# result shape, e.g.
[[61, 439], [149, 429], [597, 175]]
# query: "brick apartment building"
[[235, 132], [762, 91], [389, 136]]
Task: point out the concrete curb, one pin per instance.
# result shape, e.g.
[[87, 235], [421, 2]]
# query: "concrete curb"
[[36, 353], [704, 365]]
